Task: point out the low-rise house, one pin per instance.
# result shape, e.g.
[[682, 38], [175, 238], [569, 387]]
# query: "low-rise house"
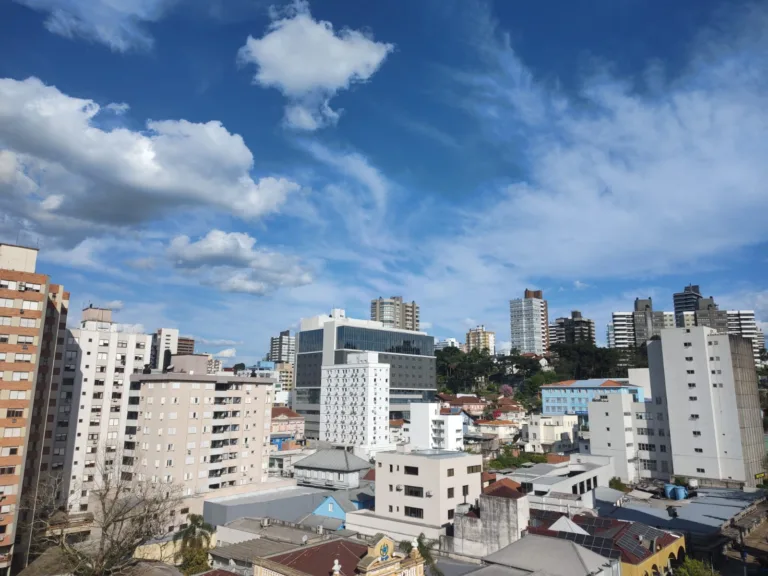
[[281, 462], [331, 468], [286, 421], [557, 434], [504, 430], [510, 410], [397, 431], [474, 405], [640, 548]]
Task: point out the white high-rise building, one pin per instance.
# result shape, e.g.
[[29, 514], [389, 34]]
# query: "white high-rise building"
[[354, 404], [742, 323], [165, 343], [282, 348], [529, 323], [429, 429], [99, 361], [447, 343], [621, 331], [710, 382]]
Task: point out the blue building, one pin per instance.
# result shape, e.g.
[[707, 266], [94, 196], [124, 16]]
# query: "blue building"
[[574, 396]]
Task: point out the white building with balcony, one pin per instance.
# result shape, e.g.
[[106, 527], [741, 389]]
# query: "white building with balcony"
[[551, 433], [429, 429], [354, 404]]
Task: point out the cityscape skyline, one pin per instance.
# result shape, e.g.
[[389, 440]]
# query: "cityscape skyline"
[[296, 248]]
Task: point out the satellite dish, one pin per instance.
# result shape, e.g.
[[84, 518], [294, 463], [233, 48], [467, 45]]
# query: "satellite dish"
[[304, 539]]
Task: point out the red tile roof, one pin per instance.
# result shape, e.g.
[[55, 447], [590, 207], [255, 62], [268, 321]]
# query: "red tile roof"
[[488, 477], [278, 411], [318, 560], [504, 488], [370, 475], [396, 423], [495, 422]]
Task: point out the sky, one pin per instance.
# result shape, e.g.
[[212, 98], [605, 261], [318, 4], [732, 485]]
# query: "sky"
[[228, 167]]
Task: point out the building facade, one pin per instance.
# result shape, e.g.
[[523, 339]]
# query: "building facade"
[[33, 316], [574, 396], [394, 313], [710, 382], [743, 323], [447, 343], [186, 345], [429, 428], [621, 330], [481, 339], [282, 348], [202, 432], [709, 314], [329, 340], [529, 323], [573, 330], [165, 343], [649, 323], [551, 434], [354, 404], [686, 301]]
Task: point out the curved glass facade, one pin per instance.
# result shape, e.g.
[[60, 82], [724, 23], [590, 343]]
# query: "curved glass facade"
[[353, 338]]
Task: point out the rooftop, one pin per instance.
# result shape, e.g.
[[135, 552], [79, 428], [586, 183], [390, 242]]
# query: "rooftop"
[[593, 383], [335, 460], [504, 488], [318, 559], [281, 411], [248, 550], [495, 423], [541, 555]]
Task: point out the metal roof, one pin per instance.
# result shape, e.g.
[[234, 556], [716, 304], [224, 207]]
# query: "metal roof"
[[334, 460], [250, 549]]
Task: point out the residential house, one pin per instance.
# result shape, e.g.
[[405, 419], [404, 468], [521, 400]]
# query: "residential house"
[[555, 433], [504, 430], [286, 421], [331, 468], [397, 431]]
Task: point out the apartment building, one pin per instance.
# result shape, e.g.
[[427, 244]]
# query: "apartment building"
[[529, 323], [481, 339], [32, 320], [329, 339], [573, 330], [621, 330], [165, 343], [710, 382], [282, 348], [635, 434], [89, 403], [394, 313], [709, 314], [186, 346], [743, 323], [354, 404], [205, 433], [649, 323], [419, 492], [555, 434], [573, 396], [214, 365], [686, 301], [447, 343], [429, 428], [285, 376]]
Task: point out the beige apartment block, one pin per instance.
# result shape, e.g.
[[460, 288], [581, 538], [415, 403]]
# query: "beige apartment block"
[[418, 492], [202, 432], [32, 317]]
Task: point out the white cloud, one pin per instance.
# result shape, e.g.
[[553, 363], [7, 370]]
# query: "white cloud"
[[116, 24], [88, 179], [229, 261], [425, 325], [114, 305], [309, 62], [226, 353], [215, 341], [579, 285]]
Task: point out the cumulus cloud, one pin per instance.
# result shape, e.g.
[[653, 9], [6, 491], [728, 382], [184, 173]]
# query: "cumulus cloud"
[[214, 341], [89, 179], [579, 285], [309, 62], [118, 25], [226, 353], [114, 305], [231, 262]]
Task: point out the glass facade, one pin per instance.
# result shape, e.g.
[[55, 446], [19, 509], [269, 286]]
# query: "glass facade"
[[353, 338], [310, 341]]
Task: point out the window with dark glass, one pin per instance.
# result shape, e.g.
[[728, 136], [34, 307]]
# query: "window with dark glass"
[[411, 470], [416, 491], [414, 512]]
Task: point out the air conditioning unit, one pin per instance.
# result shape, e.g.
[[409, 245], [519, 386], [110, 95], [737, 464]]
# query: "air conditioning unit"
[[399, 487], [429, 493]]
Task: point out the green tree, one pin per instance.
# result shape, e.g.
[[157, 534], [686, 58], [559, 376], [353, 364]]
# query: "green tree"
[[194, 561], [617, 484], [693, 567], [196, 536], [239, 366], [426, 548]]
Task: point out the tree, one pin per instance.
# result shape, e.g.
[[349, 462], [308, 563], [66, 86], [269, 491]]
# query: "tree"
[[425, 549], [507, 390], [617, 484], [238, 367], [693, 567], [196, 536], [126, 512], [194, 561]]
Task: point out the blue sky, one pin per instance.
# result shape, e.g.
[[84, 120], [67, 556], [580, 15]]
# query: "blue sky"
[[230, 166]]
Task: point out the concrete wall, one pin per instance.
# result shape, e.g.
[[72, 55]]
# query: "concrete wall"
[[748, 406], [367, 523]]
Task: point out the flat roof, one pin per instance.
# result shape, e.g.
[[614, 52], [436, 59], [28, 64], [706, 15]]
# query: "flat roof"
[[267, 495], [593, 383], [211, 378], [433, 454]]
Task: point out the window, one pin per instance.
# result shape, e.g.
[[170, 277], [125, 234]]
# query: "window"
[[465, 490], [411, 471], [474, 469], [691, 385], [450, 492], [694, 416], [689, 358], [692, 398], [28, 305], [19, 376], [415, 491], [390, 508], [22, 358], [450, 514], [700, 470], [390, 487], [450, 472], [696, 433], [28, 323], [6, 303], [414, 512]]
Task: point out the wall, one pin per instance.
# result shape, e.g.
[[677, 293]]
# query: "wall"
[[370, 524], [330, 509]]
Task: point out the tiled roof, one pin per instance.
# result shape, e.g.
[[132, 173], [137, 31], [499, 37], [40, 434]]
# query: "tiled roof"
[[370, 475], [278, 411], [504, 488], [488, 476], [317, 560], [396, 423], [593, 383], [495, 422]]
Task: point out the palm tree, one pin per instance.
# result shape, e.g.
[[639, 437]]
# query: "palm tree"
[[425, 549], [196, 536]]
